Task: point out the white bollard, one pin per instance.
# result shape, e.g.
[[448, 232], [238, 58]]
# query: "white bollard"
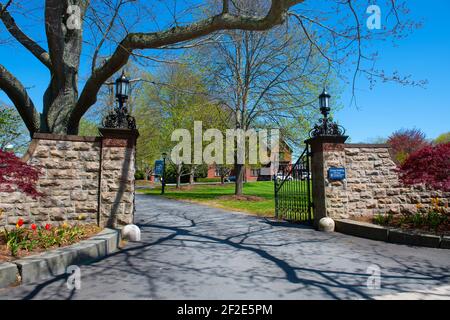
[[132, 233], [326, 224]]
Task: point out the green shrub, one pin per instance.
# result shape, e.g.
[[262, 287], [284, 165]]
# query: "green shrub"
[[383, 219], [139, 175], [435, 219], [417, 219]]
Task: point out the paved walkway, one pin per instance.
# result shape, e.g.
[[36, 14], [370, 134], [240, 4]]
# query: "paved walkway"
[[195, 252]]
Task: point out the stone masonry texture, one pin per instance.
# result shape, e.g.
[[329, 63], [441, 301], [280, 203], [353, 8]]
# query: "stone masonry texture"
[[82, 181], [372, 186]]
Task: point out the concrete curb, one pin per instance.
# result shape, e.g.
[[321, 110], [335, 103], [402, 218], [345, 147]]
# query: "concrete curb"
[[445, 243], [9, 274], [379, 233], [53, 263], [362, 229]]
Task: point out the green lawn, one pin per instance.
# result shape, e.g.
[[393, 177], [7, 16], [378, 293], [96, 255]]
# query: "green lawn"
[[211, 194]]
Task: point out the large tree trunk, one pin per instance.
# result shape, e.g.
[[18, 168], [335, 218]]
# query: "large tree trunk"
[[192, 175], [179, 172], [239, 170], [63, 26], [64, 42], [59, 102], [178, 181]]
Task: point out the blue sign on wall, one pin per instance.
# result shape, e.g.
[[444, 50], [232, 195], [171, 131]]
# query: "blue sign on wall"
[[336, 174], [159, 167]]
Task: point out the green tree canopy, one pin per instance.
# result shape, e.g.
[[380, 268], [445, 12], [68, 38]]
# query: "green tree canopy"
[[173, 98], [443, 138], [12, 129]]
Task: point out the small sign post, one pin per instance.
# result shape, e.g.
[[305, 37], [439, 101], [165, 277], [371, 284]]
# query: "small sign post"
[[336, 174], [159, 168]]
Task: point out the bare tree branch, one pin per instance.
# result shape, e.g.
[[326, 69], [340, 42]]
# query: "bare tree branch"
[[105, 35], [358, 63], [132, 41], [22, 38], [19, 96], [5, 7]]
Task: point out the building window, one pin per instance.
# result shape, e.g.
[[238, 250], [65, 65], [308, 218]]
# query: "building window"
[[256, 172], [217, 172]]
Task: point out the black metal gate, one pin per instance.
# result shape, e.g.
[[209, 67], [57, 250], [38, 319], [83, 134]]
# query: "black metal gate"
[[293, 191]]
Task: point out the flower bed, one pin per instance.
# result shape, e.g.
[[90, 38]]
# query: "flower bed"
[[21, 241], [435, 221]]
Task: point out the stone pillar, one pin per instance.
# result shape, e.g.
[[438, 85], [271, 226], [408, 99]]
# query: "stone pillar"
[[117, 192], [326, 152]]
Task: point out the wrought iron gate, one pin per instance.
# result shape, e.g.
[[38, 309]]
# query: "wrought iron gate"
[[293, 191]]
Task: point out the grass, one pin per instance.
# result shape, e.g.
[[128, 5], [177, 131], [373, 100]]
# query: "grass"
[[212, 195], [208, 180], [143, 183]]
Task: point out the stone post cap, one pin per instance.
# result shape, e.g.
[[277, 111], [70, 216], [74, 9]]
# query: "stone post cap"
[[119, 133], [327, 139]]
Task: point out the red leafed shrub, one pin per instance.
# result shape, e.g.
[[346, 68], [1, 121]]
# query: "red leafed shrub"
[[14, 172], [429, 166], [405, 142]]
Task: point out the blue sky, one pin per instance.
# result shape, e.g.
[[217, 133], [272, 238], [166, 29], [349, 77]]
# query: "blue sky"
[[425, 54], [388, 107]]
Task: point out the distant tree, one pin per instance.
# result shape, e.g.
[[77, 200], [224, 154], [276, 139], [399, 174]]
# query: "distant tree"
[[88, 128], [443, 138], [264, 79], [224, 171], [377, 140], [430, 166], [148, 114], [16, 173], [12, 129], [405, 142], [173, 98]]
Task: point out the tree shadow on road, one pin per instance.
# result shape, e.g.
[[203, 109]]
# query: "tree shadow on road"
[[309, 263]]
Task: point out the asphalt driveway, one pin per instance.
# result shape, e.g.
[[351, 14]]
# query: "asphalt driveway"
[[190, 251]]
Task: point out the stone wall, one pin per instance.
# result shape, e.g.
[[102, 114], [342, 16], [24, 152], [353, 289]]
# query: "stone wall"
[[371, 186], [81, 178], [117, 183]]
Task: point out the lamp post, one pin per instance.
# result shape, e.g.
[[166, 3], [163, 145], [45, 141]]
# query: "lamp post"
[[119, 118], [326, 126], [163, 184], [324, 101]]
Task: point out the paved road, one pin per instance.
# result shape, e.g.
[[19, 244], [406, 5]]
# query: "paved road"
[[195, 252]]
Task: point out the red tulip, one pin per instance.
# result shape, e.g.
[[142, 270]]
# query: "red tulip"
[[20, 223], [33, 227], [48, 226]]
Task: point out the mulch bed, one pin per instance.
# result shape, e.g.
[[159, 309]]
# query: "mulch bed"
[[442, 230], [5, 254], [194, 186], [242, 198]]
